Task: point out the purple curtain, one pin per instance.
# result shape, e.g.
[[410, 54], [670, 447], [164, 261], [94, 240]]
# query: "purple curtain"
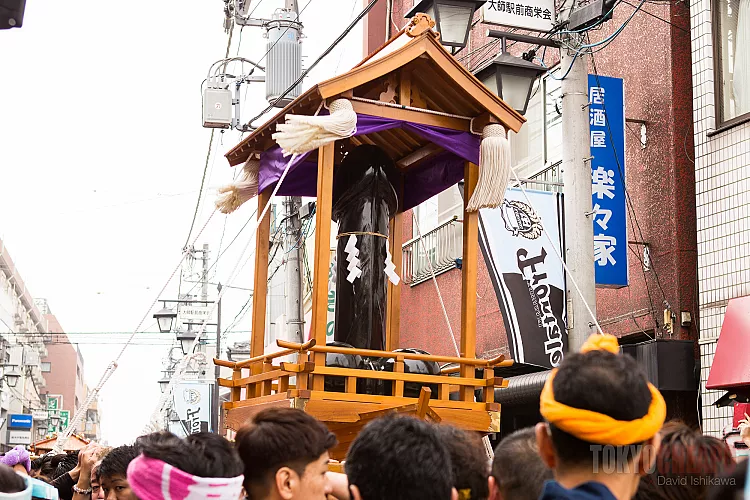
[[432, 177]]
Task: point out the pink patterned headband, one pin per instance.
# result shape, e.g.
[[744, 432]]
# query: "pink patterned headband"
[[152, 479]]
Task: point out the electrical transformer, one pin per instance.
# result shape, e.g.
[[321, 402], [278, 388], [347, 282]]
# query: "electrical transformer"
[[217, 107], [284, 61]]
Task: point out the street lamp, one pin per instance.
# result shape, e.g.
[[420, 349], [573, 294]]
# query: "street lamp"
[[54, 420], [11, 375], [163, 384], [511, 78], [186, 340], [452, 18], [165, 318]]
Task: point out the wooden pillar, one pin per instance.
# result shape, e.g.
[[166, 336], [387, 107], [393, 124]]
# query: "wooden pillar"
[[260, 286], [393, 307], [396, 232], [322, 254], [469, 280]]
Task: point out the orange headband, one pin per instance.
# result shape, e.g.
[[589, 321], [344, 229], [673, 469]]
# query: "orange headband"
[[595, 427]]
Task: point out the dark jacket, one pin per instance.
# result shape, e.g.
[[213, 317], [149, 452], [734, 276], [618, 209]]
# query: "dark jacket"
[[586, 491]]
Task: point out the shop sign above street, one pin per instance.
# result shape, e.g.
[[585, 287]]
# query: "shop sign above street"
[[536, 15]]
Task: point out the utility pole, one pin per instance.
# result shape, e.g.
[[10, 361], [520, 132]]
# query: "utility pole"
[[216, 408], [293, 250], [293, 246], [576, 173]]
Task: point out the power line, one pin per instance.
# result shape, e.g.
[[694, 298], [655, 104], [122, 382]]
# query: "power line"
[[320, 58], [657, 17], [208, 157]]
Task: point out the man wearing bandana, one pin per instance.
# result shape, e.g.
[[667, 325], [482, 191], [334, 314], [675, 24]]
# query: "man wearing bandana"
[[602, 421]]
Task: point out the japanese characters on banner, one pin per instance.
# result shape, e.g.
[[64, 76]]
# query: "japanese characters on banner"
[[607, 125], [537, 15], [527, 275], [192, 403]]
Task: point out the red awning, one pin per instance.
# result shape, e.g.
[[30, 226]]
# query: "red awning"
[[731, 365]]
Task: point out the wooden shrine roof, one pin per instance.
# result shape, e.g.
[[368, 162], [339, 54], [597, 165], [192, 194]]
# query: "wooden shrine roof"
[[436, 80]]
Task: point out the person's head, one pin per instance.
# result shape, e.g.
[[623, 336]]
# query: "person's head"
[[518, 472], [10, 480], [204, 464], [469, 462], [599, 405], [399, 458], [113, 473], [285, 455], [685, 464], [97, 493], [67, 464], [44, 467], [204, 454]]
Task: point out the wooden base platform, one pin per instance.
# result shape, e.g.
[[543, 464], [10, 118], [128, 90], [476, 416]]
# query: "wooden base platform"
[[346, 414]]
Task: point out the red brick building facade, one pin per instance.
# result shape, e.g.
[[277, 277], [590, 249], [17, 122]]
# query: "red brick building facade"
[[653, 57]]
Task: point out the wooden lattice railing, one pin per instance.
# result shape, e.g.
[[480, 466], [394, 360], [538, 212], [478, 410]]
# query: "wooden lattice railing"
[[266, 380]]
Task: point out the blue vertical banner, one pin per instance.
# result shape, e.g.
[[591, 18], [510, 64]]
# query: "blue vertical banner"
[[607, 141]]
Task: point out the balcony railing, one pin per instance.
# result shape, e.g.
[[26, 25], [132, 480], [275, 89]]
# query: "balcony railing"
[[442, 247], [547, 179]]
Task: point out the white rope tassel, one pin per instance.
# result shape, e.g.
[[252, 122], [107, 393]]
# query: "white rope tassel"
[[301, 134], [245, 188], [494, 169]]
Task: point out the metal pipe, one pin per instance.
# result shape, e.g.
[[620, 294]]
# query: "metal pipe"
[[535, 40]]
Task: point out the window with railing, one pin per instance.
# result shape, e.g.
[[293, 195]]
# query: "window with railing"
[[436, 252]]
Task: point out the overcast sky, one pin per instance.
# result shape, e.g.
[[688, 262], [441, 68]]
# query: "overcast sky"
[[101, 157]]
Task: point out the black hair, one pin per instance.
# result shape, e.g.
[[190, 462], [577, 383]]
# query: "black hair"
[[602, 382], [203, 454], [44, 467], [116, 462], [276, 438], [518, 469], [469, 462], [686, 464], [67, 464], [400, 458], [10, 481]]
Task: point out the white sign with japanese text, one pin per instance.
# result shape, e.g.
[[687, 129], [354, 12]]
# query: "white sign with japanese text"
[[195, 313], [536, 15]]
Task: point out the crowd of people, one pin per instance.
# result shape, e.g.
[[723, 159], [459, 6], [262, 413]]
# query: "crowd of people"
[[603, 437]]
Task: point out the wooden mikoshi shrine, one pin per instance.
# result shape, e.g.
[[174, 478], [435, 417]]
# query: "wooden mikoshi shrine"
[[412, 79]]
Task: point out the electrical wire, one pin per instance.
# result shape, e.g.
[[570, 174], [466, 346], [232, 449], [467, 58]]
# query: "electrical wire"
[[317, 61], [208, 156], [657, 17]]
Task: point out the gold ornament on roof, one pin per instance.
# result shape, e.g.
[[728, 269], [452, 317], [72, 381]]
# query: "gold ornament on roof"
[[419, 24]]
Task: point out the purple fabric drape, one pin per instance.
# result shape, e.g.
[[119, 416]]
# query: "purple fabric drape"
[[432, 177]]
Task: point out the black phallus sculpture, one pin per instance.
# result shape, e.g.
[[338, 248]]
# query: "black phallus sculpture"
[[364, 200]]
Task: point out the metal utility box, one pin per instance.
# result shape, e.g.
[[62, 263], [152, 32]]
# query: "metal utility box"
[[217, 108], [669, 364]]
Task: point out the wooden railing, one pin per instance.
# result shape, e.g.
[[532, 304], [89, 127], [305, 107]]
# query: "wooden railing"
[[269, 381]]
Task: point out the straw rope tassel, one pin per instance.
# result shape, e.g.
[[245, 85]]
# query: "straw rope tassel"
[[244, 189], [494, 169], [301, 134]]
